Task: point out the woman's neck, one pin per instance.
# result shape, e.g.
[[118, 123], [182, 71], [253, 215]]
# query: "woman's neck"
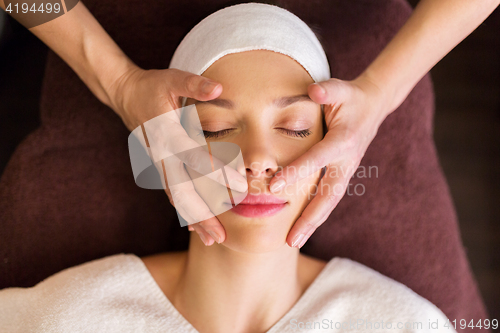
[[222, 290]]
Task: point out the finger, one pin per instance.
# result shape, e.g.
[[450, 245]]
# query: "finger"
[[332, 91], [214, 228], [193, 209], [168, 140], [330, 191], [186, 198], [235, 180], [191, 219], [169, 195], [210, 166], [185, 84], [166, 135], [211, 226], [190, 204], [204, 236], [182, 195], [322, 153], [186, 213], [167, 189]]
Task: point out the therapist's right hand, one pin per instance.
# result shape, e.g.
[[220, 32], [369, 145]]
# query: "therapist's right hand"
[[140, 95]]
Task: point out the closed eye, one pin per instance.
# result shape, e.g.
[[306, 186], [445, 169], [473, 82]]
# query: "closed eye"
[[300, 134], [216, 134]]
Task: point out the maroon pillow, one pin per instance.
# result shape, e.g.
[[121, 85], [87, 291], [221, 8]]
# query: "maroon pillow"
[[68, 195]]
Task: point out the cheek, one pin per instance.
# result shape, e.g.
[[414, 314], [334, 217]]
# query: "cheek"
[[302, 192], [288, 150]]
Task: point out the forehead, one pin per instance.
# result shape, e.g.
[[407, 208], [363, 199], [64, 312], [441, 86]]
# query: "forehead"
[[259, 71], [257, 78]]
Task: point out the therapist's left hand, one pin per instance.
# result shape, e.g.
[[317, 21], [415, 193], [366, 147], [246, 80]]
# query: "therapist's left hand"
[[353, 111]]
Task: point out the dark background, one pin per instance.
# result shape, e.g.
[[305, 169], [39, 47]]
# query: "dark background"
[[467, 131]]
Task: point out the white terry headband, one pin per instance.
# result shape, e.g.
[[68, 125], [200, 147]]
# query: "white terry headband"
[[251, 26]]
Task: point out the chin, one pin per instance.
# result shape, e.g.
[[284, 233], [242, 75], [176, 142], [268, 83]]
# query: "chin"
[[257, 235]]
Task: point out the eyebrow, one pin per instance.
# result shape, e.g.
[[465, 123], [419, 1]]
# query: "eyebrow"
[[220, 102], [285, 101], [281, 102]]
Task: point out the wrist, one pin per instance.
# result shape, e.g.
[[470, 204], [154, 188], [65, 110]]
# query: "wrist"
[[103, 61], [110, 74], [393, 89], [111, 82], [381, 95]]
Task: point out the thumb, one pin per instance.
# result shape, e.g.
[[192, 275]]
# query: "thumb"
[[185, 84], [332, 91]]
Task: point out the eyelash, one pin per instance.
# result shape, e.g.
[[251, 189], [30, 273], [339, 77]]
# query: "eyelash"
[[299, 134], [218, 134], [211, 135]]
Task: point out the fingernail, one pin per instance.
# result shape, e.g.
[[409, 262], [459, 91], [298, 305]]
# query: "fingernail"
[[240, 185], [297, 240], [323, 91], [215, 236], [209, 86], [190, 228], [203, 238], [303, 242], [278, 185]]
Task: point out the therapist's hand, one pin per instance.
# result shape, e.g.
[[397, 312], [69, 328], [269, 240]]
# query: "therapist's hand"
[[140, 95], [354, 111]]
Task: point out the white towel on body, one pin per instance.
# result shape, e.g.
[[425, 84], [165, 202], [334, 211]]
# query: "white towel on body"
[[118, 294]]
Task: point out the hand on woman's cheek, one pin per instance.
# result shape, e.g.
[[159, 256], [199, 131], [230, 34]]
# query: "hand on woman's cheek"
[[270, 233]]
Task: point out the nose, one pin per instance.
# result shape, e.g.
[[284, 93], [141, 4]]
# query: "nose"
[[260, 159]]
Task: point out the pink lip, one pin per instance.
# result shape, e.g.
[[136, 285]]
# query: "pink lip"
[[259, 205]]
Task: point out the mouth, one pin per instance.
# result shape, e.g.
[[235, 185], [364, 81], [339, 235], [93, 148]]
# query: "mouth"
[[262, 205]]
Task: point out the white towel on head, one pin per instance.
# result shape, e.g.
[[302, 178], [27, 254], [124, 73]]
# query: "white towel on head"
[[246, 27]]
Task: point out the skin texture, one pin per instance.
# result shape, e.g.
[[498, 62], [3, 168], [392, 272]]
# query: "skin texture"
[[253, 81], [355, 108], [254, 266]]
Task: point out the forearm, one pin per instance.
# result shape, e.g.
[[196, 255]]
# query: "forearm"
[[85, 46], [435, 27]]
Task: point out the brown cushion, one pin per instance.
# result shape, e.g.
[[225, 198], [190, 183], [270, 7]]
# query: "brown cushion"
[[68, 194]]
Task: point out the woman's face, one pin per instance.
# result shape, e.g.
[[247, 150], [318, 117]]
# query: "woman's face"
[[265, 110]]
